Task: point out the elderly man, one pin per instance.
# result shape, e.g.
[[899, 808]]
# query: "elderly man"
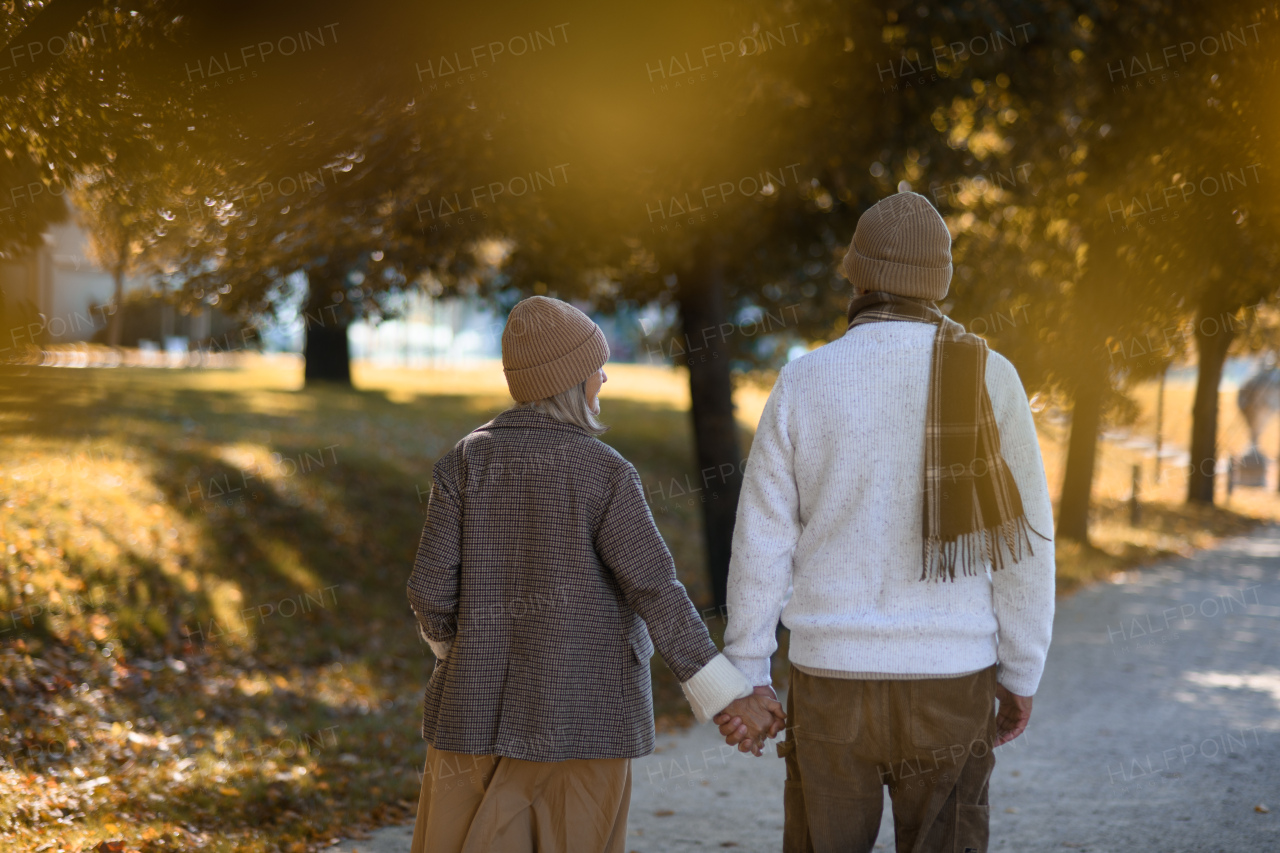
[[895, 515]]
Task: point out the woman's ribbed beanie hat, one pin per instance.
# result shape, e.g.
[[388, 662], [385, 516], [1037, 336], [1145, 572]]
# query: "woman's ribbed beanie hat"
[[548, 346], [901, 246]]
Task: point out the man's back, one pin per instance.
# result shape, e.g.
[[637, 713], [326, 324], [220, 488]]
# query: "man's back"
[[833, 504], [895, 515]]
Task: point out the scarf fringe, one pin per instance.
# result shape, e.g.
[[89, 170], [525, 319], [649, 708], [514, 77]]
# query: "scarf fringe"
[[995, 546]]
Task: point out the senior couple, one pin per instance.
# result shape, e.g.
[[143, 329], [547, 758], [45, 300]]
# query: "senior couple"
[[894, 517]]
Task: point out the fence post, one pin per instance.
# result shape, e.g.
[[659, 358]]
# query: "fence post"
[[1134, 513], [1160, 420]]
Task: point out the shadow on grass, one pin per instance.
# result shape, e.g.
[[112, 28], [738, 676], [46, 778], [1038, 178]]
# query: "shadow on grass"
[[1162, 531]]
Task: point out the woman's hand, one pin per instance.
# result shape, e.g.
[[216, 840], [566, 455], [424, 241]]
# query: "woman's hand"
[[749, 721]]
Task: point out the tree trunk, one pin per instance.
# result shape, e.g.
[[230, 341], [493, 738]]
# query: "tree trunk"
[[705, 352], [1213, 339], [116, 324], [327, 354], [1082, 454]]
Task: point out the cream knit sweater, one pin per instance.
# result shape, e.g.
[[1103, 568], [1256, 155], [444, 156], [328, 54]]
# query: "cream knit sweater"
[[829, 525]]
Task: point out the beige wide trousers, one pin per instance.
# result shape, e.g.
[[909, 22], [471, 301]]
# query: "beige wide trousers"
[[496, 804]]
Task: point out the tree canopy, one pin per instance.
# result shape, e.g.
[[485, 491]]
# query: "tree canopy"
[[1100, 164]]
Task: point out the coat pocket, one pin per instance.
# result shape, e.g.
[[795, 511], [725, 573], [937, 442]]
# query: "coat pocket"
[[641, 645]]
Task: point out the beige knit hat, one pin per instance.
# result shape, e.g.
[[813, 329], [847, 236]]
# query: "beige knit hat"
[[548, 346], [901, 246]]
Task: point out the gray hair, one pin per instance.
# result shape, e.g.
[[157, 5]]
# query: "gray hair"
[[569, 407]]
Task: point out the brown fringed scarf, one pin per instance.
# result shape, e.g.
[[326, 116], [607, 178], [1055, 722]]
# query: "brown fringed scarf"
[[972, 509]]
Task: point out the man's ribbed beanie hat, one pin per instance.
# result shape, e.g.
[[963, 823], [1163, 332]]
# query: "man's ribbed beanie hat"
[[548, 346], [901, 246]]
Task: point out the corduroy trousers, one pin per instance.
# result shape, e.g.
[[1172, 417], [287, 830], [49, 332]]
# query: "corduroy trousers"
[[929, 740], [496, 804]]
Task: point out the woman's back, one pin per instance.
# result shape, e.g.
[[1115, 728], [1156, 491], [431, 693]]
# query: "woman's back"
[[550, 536], [543, 587]]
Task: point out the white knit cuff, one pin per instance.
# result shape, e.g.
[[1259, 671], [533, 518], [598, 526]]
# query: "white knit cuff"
[[758, 671], [1017, 683], [715, 686], [440, 648]]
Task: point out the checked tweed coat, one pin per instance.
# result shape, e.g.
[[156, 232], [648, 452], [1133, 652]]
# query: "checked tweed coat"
[[541, 562]]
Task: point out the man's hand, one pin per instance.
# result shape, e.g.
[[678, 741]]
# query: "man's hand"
[[1013, 716], [749, 721]]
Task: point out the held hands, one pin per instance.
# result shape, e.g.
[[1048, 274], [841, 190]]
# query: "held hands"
[[749, 721], [1013, 716]]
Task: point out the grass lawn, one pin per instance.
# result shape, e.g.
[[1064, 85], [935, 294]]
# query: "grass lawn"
[[204, 638], [1167, 526]]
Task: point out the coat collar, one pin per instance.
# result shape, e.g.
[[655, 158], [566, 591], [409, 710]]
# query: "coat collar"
[[529, 419]]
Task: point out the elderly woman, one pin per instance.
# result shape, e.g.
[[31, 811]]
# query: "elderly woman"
[[543, 587]]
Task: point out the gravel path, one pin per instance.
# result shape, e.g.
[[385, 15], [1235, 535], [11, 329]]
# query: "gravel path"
[[1156, 727]]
